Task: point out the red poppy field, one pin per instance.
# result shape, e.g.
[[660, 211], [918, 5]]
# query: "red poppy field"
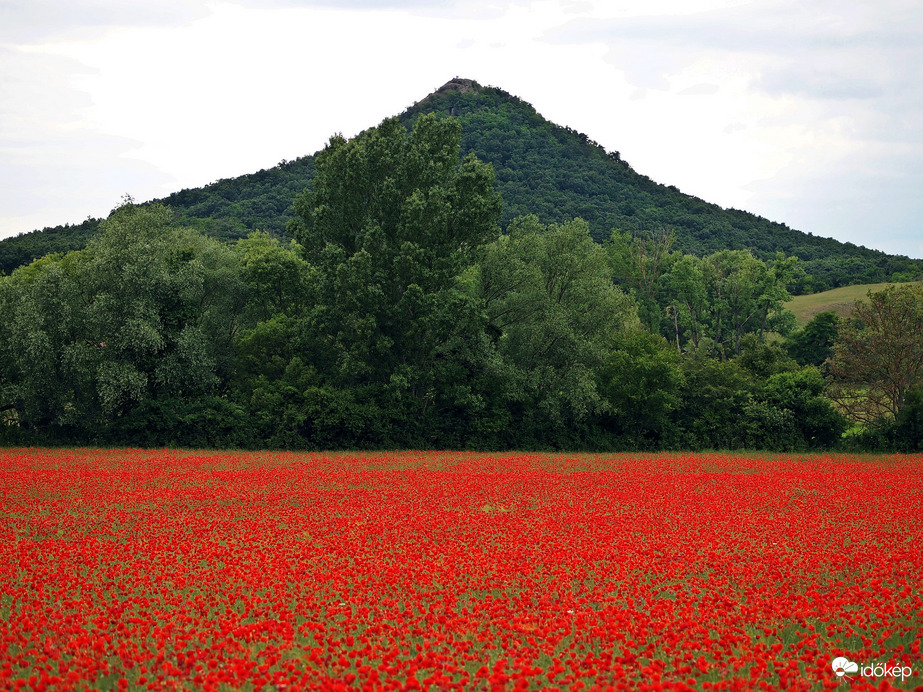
[[169, 570]]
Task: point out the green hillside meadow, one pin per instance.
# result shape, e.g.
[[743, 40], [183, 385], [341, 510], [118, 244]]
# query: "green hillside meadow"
[[838, 300]]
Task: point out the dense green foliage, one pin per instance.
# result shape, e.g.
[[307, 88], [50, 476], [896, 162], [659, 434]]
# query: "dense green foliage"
[[558, 174], [231, 209], [541, 169], [227, 210], [878, 354], [396, 312], [22, 249], [390, 223], [143, 317], [813, 345]]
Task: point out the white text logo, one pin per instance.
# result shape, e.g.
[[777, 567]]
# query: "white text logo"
[[843, 667]]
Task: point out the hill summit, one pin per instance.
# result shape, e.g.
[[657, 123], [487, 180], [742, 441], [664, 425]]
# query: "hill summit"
[[458, 84], [542, 168]]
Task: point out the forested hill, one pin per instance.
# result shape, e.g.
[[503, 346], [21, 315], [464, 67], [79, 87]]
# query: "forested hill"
[[543, 169], [559, 174]]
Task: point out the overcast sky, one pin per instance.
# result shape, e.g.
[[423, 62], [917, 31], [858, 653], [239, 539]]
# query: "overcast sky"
[[807, 113]]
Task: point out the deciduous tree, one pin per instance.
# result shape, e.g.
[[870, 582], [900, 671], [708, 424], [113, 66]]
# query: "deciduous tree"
[[145, 312], [553, 308], [391, 220], [878, 355]]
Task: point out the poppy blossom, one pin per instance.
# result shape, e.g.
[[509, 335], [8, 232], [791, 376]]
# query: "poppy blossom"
[[177, 570]]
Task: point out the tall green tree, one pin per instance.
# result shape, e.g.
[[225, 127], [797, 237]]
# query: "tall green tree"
[[715, 404], [47, 350], [688, 305], [164, 301], [553, 310], [714, 301], [271, 375], [818, 423], [146, 312], [878, 354], [390, 222], [278, 279], [814, 344], [641, 380], [638, 262]]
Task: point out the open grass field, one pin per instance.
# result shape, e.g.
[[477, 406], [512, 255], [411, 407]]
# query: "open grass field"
[[169, 570], [838, 300]]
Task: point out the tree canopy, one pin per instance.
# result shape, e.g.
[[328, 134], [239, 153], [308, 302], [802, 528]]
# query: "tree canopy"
[[878, 354], [146, 312], [398, 311]]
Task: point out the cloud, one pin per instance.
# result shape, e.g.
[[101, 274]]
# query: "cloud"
[[469, 9], [826, 95], [822, 84], [355, 4], [845, 50], [870, 199], [28, 21], [700, 89], [785, 108], [56, 167]]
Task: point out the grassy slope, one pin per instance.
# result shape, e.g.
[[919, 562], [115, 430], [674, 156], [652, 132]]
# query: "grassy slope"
[[838, 300]]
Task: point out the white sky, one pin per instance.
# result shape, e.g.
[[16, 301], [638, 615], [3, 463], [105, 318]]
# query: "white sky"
[[808, 113]]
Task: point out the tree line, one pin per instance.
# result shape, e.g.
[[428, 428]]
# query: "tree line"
[[401, 316]]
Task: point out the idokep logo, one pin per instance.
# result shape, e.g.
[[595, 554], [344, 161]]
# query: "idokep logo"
[[842, 666]]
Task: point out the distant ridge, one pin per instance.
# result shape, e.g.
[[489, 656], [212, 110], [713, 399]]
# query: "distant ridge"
[[542, 168]]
